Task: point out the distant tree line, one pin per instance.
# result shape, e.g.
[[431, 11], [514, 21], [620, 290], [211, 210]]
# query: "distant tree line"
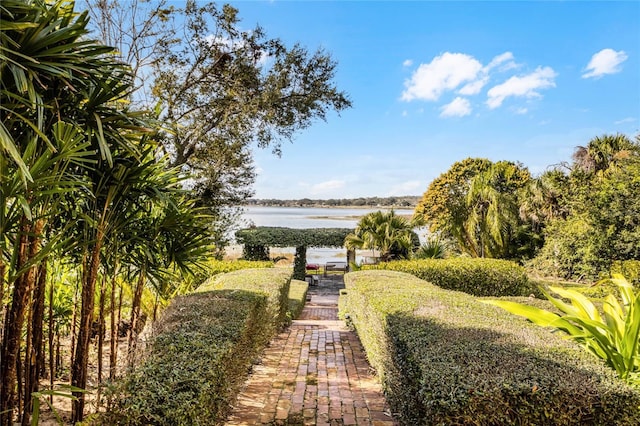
[[400, 201]]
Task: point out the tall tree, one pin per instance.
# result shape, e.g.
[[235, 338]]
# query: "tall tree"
[[44, 74], [493, 218], [600, 201], [219, 89], [444, 206]]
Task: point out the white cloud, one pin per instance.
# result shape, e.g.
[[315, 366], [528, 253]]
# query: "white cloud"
[[503, 62], [406, 188], [522, 86], [459, 107], [626, 120], [444, 72], [606, 61], [449, 71], [405, 113], [474, 87], [521, 111], [407, 63], [327, 186]]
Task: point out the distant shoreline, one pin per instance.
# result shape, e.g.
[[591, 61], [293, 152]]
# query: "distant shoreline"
[[399, 202], [320, 206]]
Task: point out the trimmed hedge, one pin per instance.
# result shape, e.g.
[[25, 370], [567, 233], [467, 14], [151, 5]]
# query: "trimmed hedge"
[[479, 277], [445, 358], [217, 267], [297, 297], [198, 360], [274, 283], [203, 348]]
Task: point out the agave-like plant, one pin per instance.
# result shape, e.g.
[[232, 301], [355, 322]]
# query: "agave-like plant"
[[612, 336]]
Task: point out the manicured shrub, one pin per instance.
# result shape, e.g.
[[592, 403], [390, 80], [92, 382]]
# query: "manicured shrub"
[[217, 267], [202, 350], [297, 297], [479, 277], [274, 283], [199, 358], [445, 358]]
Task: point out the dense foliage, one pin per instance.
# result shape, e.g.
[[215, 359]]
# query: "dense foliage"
[[391, 234], [446, 358], [289, 237], [83, 183], [597, 219], [218, 87], [475, 203], [273, 283], [203, 348], [200, 356], [480, 277]]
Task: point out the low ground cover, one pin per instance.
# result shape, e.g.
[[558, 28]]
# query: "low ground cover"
[[446, 357]]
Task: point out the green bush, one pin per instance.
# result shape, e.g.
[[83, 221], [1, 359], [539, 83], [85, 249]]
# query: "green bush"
[[202, 350], [629, 268], [297, 297], [199, 358], [445, 358], [217, 267], [274, 283], [479, 277]]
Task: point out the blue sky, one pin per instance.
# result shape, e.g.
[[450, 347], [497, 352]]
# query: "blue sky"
[[436, 82]]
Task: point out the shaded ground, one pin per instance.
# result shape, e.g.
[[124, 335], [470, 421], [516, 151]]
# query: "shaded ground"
[[313, 373]]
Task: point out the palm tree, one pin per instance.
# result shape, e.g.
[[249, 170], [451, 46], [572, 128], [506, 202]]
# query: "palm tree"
[[387, 232], [602, 153], [44, 68], [492, 213]]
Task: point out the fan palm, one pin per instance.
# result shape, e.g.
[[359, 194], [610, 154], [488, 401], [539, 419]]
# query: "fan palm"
[[387, 232], [492, 214], [601, 153]]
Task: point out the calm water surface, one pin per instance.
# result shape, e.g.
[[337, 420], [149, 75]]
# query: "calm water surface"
[[312, 217]]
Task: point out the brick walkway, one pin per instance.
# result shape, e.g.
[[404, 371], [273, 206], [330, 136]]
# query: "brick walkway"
[[314, 373]]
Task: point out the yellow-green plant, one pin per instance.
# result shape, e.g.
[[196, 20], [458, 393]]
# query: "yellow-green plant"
[[613, 336]]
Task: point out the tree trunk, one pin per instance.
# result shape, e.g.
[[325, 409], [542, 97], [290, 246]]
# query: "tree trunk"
[[101, 330], [34, 354], [23, 394], [81, 356], [11, 342], [117, 343], [114, 330], [135, 317], [3, 268], [51, 362], [155, 309], [74, 319], [300, 263]]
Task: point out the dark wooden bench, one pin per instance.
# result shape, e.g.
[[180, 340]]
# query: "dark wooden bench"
[[336, 266]]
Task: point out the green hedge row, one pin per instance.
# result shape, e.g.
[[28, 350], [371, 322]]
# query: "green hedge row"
[[479, 277], [297, 297], [445, 358], [274, 283], [203, 347]]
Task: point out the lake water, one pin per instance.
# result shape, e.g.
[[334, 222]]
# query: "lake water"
[[311, 217]]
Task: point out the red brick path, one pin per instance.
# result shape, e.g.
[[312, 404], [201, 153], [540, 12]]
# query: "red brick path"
[[314, 373]]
